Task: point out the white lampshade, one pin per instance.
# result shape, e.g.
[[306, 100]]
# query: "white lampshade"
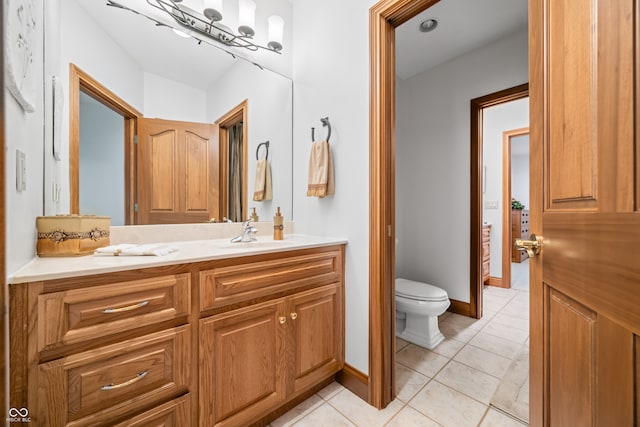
[[276, 31], [247, 17], [213, 9]]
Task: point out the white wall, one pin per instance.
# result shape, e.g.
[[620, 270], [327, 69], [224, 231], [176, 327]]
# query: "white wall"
[[433, 158], [330, 74], [24, 132], [498, 119], [520, 170], [171, 100], [101, 160], [270, 119]]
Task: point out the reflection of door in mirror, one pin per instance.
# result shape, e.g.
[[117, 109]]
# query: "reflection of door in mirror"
[[177, 172], [100, 99], [233, 162]]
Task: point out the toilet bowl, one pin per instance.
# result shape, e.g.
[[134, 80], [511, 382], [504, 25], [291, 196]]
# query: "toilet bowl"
[[418, 306]]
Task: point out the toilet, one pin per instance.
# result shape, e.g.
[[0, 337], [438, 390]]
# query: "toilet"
[[418, 306]]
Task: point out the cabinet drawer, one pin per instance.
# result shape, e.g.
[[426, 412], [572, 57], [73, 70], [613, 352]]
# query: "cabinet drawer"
[[83, 314], [176, 413], [245, 281], [96, 386], [486, 266], [486, 251], [486, 234]]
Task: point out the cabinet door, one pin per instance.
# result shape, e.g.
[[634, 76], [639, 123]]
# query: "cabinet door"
[[242, 355], [317, 323]]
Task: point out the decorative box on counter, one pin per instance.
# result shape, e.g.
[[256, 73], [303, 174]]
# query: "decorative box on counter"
[[71, 235]]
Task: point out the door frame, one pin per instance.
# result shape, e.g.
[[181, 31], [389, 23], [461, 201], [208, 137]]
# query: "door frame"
[[4, 322], [239, 113], [477, 127], [507, 238], [383, 18], [79, 81]]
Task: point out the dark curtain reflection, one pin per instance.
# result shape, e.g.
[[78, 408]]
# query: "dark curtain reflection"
[[235, 172]]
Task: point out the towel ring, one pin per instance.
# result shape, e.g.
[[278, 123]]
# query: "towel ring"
[[325, 123], [266, 145]]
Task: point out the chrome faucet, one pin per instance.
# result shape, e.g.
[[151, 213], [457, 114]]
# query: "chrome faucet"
[[246, 233]]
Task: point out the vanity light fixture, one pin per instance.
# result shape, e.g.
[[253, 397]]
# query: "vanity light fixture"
[[428, 25], [208, 22], [181, 33]]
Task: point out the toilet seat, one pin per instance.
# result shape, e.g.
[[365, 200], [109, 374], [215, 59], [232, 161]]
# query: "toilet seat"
[[420, 291]]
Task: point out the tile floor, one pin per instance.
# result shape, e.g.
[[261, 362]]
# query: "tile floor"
[[450, 386], [520, 275]]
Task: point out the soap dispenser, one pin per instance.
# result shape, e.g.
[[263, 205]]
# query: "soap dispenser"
[[254, 216], [278, 226]]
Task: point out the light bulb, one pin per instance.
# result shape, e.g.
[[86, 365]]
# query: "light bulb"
[[213, 10], [276, 30], [247, 17]]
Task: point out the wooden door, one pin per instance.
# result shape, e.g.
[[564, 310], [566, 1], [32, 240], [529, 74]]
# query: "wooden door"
[[585, 285], [242, 359], [317, 325], [178, 172]]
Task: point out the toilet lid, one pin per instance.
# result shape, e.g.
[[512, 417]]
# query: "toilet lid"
[[420, 291]]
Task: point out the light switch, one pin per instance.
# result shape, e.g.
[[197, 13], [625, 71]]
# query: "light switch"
[[491, 204], [21, 171]]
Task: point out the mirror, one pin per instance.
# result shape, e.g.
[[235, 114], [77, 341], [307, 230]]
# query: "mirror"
[[163, 76]]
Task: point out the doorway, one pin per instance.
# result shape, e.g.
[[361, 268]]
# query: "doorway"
[[384, 18]]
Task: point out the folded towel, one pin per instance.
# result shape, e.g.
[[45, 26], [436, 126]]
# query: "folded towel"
[[263, 190], [136, 250], [320, 170]]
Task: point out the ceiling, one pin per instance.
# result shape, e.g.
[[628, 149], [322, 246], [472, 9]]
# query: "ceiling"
[[158, 50], [463, 25]]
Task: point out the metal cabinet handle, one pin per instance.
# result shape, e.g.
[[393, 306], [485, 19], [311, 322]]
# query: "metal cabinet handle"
[[127, 308], [294, 316], [533, 246], [282, 320], [133, 380]]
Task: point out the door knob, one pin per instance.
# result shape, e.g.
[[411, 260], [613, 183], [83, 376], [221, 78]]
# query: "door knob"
[[532, 246], [282, 320], [294, 316]]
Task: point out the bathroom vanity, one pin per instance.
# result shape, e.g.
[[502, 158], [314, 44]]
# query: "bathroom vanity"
[[214, 334]]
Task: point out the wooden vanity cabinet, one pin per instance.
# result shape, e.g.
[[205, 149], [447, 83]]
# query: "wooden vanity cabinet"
[[224, 342]]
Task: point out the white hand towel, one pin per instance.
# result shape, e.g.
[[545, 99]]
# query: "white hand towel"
[[263, 190], [320, 170], [126, 249]]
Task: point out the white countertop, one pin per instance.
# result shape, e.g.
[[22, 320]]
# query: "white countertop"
[[188, 251]]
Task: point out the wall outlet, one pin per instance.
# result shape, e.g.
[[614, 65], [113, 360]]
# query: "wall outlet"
[[21, 171], [491, 204]]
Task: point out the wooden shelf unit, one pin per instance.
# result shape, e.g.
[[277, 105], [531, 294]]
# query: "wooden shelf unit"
[[519, 230]]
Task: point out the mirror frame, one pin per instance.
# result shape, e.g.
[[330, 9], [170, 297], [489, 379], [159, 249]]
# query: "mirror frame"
[[79, 81]]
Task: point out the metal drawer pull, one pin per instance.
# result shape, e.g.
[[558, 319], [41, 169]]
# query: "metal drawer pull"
[[294, 316], [127, 308], [282, 319], [135, 379]]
